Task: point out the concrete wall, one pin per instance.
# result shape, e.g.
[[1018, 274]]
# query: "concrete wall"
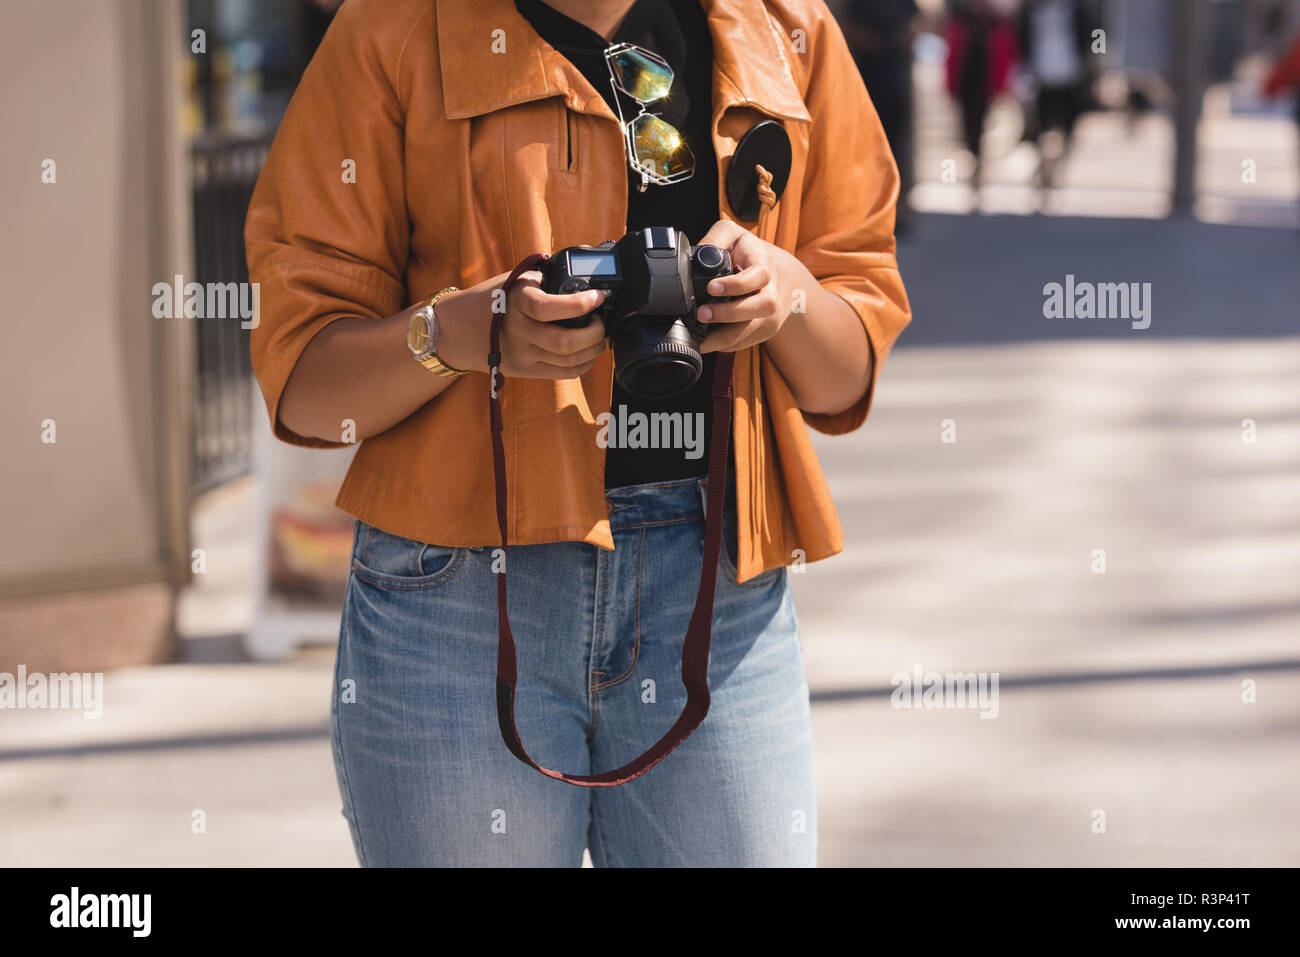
[[91, 85]]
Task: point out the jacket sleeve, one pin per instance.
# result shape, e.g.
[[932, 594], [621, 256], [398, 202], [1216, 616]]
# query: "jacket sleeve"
[[327, 233], [846, 221]]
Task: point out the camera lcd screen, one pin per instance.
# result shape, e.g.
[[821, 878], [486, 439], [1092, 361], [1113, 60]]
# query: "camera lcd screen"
[[593, 263]]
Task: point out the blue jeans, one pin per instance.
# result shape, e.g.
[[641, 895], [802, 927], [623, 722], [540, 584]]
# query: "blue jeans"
[[423, 772]]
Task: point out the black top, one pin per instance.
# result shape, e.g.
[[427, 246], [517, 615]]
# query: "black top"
[[678, 31]]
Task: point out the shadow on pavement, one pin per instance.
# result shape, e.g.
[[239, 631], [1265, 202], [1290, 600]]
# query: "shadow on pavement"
[[980, 279]]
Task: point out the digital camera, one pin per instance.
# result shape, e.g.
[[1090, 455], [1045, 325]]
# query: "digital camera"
[[657, 281]]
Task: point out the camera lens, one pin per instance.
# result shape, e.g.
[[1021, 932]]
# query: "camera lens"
[[656, 358]]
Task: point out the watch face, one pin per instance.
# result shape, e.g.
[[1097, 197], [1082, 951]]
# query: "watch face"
[[417, 334]]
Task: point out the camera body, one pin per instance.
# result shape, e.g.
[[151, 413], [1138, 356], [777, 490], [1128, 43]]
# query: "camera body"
[[657, 281]]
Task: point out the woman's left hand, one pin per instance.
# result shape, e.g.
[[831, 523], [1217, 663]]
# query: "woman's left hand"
[[767, 278]]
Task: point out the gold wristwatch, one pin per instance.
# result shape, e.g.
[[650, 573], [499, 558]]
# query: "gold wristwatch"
[[422, 337]]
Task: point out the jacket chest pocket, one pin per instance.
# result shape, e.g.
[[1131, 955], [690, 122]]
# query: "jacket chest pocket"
[[530, 181], [565, 158], [543, 136], [565, 176]]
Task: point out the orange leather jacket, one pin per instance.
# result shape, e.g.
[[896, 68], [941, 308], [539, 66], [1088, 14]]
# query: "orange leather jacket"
[[474, 143]]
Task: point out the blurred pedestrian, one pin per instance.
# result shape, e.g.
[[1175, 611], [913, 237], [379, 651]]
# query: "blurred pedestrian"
[[1055, 40], [981, 53], [879, 34], [1286, 75], [1140, 46]]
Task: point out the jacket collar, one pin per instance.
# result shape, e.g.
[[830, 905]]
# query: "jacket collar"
[[750, 63]]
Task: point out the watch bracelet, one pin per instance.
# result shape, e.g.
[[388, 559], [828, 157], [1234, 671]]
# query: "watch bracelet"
[[433, 363]]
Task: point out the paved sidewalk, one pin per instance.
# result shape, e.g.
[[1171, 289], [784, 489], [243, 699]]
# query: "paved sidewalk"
[[1119, 692], [1185, 773]]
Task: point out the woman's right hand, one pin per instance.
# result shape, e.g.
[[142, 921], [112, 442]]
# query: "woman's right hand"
[[533, 346], [359, 370]]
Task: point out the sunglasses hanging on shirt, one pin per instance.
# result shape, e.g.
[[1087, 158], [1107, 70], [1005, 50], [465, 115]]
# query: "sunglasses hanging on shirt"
[[655, 148]]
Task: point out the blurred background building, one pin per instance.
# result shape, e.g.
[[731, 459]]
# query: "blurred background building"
[[1119, 140]]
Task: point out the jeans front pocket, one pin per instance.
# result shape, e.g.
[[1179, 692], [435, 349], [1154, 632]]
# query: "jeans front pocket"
[[393, 561]]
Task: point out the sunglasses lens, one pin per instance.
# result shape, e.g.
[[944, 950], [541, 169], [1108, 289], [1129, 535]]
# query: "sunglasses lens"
[[659, 147], [641, 77]]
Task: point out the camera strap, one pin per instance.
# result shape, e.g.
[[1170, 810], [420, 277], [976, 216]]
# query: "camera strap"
[[695, 650]]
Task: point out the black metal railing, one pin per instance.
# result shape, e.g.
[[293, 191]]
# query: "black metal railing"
[[223, 171]]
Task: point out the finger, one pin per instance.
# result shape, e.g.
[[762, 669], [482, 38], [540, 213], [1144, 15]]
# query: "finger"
[[723, 234], [562, 341], [729, 339], [532, 279], [756, 305], [534, 303], [750, 279], [536, 353]]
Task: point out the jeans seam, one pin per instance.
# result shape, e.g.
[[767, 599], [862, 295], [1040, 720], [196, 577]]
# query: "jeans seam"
[[365, 545], [656, 522], [346, 779], [600, 838], [597, 641], [636, 639]]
